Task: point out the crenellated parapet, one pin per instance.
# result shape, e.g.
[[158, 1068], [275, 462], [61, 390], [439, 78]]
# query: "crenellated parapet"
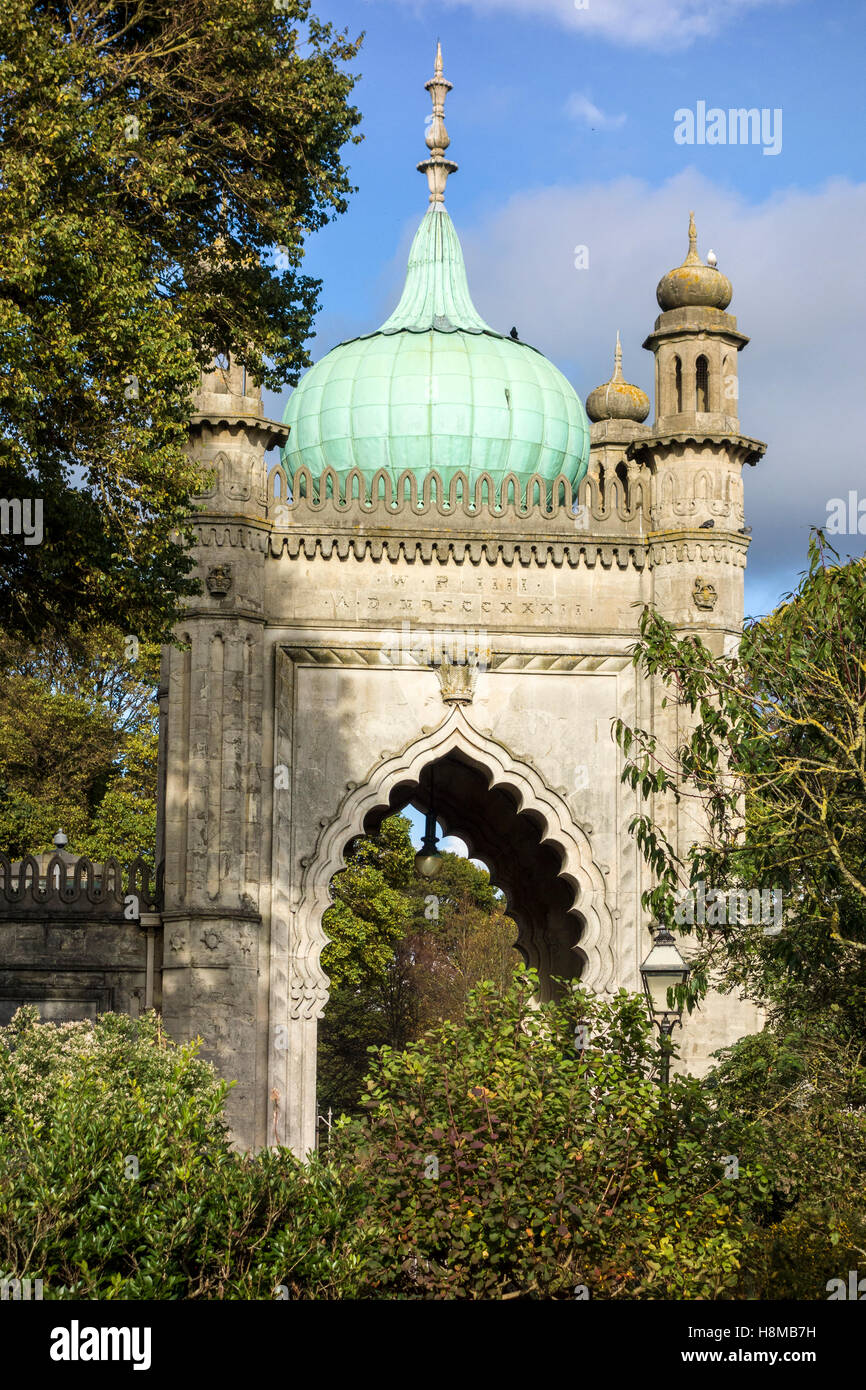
[[40, 886], [78, 937], [452, 520], [672, 484]]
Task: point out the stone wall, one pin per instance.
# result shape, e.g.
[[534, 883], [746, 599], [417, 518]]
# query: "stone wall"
[[73, 970]]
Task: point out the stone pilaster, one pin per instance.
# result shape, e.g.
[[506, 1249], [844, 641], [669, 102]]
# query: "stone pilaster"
[[213, 731]]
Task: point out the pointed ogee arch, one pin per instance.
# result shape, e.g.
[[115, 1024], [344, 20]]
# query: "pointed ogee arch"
[[504, 770]]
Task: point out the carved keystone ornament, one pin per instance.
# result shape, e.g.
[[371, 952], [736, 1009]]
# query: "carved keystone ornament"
[[457, 678]]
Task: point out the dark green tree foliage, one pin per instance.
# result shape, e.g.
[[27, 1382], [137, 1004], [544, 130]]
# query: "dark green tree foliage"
[[796, 1097], [775, 755], [369, 1002], [78, 744], [163, 162], [370, 913]]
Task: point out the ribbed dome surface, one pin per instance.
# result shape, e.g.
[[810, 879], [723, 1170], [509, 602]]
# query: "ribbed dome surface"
[[436, 388]]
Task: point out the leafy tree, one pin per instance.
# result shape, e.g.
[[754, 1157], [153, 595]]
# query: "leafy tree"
[[404, 953], [78, 744], [370, 913], [369, 918], [163, 162], [774, 756], [460, 936], [797, 1098]]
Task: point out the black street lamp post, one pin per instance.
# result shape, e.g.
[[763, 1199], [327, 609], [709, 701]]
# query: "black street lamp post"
[[664, 969]]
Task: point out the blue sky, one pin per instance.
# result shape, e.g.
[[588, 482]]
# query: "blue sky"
[[561, 120]]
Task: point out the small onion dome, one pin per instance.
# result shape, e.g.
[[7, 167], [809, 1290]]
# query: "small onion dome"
[[617, 399], [694, 282]]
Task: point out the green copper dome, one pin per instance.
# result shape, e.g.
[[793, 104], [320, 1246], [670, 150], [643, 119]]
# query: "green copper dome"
[[435, 387]]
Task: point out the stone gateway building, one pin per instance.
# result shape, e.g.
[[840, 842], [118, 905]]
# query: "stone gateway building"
[[433, 594]]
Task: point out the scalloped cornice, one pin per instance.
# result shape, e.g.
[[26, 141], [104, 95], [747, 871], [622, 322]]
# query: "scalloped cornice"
[[751, 449], [216, 421]]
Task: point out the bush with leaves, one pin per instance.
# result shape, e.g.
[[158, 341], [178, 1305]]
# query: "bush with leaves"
[[117, 1179], [530, 1152], [797, 1101]]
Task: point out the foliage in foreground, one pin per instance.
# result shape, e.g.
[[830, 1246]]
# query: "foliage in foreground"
[[530, 1151], [797, 1100], [117, 1179], [772, 760], [525, 1152]]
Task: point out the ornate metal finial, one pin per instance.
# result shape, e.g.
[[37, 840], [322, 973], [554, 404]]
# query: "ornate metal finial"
[[437, 167]]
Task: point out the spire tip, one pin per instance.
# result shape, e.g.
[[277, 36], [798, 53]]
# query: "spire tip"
[[437, 167]]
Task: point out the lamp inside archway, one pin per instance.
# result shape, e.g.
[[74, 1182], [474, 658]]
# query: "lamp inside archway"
[[428, 860]]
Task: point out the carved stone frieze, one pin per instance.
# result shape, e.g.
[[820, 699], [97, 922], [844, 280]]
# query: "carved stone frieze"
[[727, 551]]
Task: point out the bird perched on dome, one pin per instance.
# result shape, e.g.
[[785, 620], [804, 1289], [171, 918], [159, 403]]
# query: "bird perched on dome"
[[617, 399]]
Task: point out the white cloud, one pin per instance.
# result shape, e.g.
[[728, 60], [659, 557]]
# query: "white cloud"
[[581, 108], [656, 24]]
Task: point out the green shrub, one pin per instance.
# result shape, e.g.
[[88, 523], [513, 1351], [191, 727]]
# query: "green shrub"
[[499, 1161], [797, 1100], [117, 1179], [495, 1159]]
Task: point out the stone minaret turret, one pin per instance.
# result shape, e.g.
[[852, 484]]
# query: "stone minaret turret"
[[617, 410], [214, 689], [695, 451], [696, 345], [694, 454]]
